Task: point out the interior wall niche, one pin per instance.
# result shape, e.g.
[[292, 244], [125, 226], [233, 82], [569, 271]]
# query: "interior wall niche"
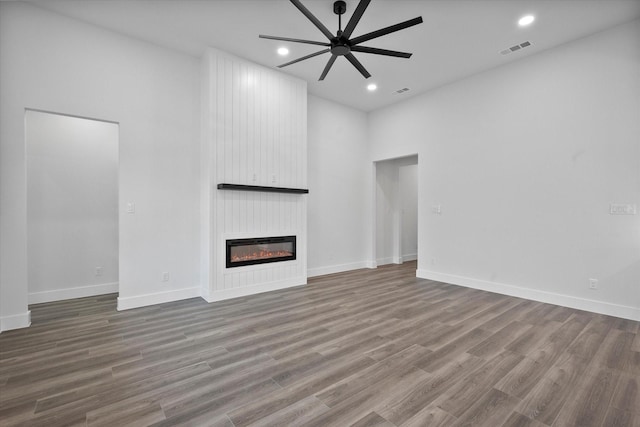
[[396, 205], [72, 206]]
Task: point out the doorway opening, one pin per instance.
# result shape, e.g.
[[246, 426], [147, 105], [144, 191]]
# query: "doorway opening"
[[72, 206], [396, 210]]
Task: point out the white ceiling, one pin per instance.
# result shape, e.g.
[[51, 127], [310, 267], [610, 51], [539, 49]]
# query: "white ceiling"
[[457, 39]]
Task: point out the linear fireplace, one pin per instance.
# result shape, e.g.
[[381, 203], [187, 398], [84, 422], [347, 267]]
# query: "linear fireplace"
[[261, 250]]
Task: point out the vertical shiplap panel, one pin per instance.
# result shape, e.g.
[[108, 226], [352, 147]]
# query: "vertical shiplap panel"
[[225, 163], [264, 154], [221, 120], [257, 131], [295, 136], [241, 212], [228, 281], [304, 147], [251, 90], [272, 106], [289, 123], [264, 113], [301, 138], [235, 143], [207, 158], [235, 280], [260, 128], [250, 159], [300, 142], [264, 147], [235, 133], [277, 146]]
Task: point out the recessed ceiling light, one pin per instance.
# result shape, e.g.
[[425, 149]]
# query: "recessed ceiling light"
[[282, 51], [371, 87], [526, 20]]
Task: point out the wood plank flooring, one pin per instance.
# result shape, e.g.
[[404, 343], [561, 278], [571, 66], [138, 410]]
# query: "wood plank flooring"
[[363, 348]]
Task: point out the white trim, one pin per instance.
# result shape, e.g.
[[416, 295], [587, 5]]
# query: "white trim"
[[371, 264], [601, 307], [384, 261], [256, 289], [257, 267], [125, 303], [409, 257], [70, 293], [15, 321], [339, 268]]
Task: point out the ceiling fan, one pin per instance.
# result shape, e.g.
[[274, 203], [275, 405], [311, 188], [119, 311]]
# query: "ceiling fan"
[[341, 44]]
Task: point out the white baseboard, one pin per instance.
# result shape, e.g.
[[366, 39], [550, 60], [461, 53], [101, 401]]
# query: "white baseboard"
[[371, 264], [616, 310], [125, 303], [330, 269], [70, 293], [225, 294], [16, 321], [409, 257], [396, 260]]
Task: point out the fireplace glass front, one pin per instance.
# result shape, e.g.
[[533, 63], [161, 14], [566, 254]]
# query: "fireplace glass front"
[[262, 250]]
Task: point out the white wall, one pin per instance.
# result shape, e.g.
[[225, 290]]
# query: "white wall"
[[525, 160], [387, 213], [339, 214], [254, 133], [54, 63], [408, 182], [72, 206]]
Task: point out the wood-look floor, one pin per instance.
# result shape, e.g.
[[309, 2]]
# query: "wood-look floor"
[[363, 348]]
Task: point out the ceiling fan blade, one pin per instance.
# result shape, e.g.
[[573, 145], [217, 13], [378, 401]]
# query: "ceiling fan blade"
[[305, 57], [328, 67], [355, 18], [385, 31], [312, 18], [358, 65], [365, 49], [287, 39]]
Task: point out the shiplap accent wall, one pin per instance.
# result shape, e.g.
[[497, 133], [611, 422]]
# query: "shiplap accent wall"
[[254, 131]]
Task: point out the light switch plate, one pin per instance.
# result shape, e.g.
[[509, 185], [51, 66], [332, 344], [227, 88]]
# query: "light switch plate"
[[622, 209]]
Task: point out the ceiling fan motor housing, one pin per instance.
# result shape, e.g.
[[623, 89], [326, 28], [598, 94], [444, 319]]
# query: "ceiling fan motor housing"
[[339, 7], [339, 48]]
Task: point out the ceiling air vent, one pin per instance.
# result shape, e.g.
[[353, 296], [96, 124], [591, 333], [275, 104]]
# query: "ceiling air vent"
[[515, 48], [405, 89]]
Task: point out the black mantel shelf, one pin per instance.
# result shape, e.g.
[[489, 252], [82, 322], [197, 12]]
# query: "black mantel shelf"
[[242, 187]]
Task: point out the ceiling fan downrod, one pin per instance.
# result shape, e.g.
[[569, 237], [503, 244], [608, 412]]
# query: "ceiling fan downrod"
[[339, 8]]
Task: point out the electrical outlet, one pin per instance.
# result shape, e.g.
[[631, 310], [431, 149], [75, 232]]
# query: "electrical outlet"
[[98, 271], [593, 283], [131, 207], [273, 178], [255, 177], [165, 276], [437, 209]]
